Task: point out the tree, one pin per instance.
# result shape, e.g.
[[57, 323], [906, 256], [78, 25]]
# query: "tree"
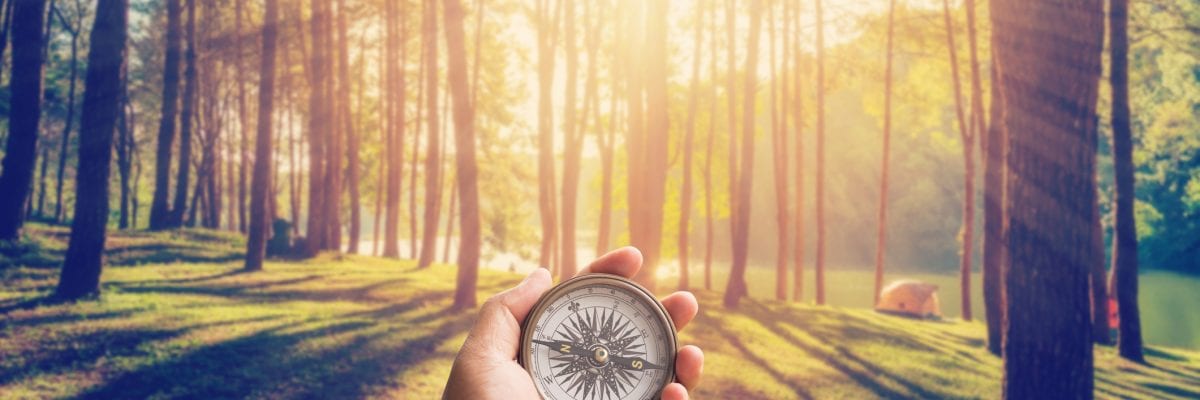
[[261, 180], [573, 141], [1125, 245], [798, 110], [464, 145], [126, 148], [25, 88], [708, 148], [881, 227], [433, 163], [73, 28], [995, 146], [187, 115], [967, 136], [779, 157], [736, 287], [685, 201], [820, 190], [347, 126], [318, 131], [159, 206], [546, 32], [394, 100], [243, 120], [106, 54], [1041, 48], [647, 149]]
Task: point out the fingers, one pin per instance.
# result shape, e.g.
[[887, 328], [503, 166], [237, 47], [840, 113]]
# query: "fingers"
[[498, 330], [624, 261], [674, 391], [682, 306], [689, 364]]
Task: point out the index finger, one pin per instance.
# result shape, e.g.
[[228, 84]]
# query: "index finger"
[[625, 262]]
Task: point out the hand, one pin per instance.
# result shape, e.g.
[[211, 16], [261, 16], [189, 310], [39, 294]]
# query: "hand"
[[486, 366]]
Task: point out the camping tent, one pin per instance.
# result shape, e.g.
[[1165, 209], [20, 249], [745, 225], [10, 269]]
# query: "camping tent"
[[910, 298]]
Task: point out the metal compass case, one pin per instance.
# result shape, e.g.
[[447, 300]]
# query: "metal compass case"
[[599, 336]]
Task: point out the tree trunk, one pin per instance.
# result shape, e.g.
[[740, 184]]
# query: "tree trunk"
[[187, 116], [820, 154], [965, 134], [798, 109], [160, 209], [352, 162], [731, 103], [606, 143], [547, 25], [1125, 247], [318, 131], [994, 178], [433, 163], [106, 54], [647, 190], [779, 159], [25, 88], [41, 193], [1041, 48], [243, 118], [64, 149], [261, 180], [464, 145], [573, 139], [736, 287], [881, 228], [708, 148], [125, 147], [685, 200]]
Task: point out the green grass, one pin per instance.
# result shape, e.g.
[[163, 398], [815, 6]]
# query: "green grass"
[[354, 327]]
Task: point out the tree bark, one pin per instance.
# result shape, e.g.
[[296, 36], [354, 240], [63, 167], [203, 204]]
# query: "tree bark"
[[261, 180], [187, 114], [881, 228], [994, 182], [547, 26], [106, 54], [464, 145], [779, 159], [25, 88], [433, 163], [352, 161], [573, 141], [64, 149], [125, 147], [160, 209], [736, 287], [1125, 247], [708, 149], [820, 190], [1046, 47], [965, 134], [243, 119], [798, 118], [685, 197], [318, 132]]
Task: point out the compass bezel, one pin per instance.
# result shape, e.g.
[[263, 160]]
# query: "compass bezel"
[[592, 279]]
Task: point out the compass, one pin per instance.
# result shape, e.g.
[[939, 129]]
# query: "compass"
[[599, 337]]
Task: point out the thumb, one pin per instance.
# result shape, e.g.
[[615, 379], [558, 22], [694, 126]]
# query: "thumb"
[[497, 332]]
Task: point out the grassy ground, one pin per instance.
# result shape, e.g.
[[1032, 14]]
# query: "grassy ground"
[[364, 327]]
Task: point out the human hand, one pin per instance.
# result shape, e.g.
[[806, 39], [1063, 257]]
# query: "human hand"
[[486, 366]]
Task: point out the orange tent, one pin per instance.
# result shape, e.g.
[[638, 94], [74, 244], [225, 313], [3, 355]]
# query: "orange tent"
[[910, 298]]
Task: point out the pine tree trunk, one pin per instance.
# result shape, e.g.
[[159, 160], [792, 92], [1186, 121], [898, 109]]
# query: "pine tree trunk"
[[160, 209], [820, 190], [243, 121], [25, 88], [433, 163], [573, 142], [318, 132], [1125, 247], [685, 198], [1044, 47], [994, 178], [547, 25], [736, 287], [352, 161], [124, 149], [261, 179], [64, 149], [464, 145], [187, 115], [881, 227], [779, 159], [106, 54], [965, 134], [708, 149]]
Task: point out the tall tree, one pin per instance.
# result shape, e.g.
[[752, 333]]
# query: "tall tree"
[[243, 118], [995, 146], [736, 287], [106, 54], [318, 131], [648, 149], [685, 200], [347, 122], [1048, 47], [126, 149], [779, 159], [25, 96], [395, 101], [160, 208], [74, 29], [1125, 245], [798, 120], [820, 190], [464, 145], [547, 25], [572, 138], [881, 227], [708, 147], [968, 139], [261, 180], [433, 163], [187, 115]]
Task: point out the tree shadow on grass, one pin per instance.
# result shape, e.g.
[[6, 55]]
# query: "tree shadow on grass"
[[792, 383], [78, 351], [270, 291]]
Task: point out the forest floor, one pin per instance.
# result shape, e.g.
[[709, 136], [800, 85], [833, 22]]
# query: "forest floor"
[[178, 319]]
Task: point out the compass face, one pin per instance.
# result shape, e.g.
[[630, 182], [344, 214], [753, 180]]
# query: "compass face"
[[599, 336]]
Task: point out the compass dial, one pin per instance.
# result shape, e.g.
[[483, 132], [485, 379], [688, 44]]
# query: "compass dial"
[[601, 337]]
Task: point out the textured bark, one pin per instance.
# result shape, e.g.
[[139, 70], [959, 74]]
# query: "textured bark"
[[85, 249], [433, 163], [685, 197], [1125, 246], [464, 145], [261, 181], [820, 190], [965, 134], [1048, 47], [736, 287], [160, 208], [881, 227], [25, 88], [995, 146], [187, 115]]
